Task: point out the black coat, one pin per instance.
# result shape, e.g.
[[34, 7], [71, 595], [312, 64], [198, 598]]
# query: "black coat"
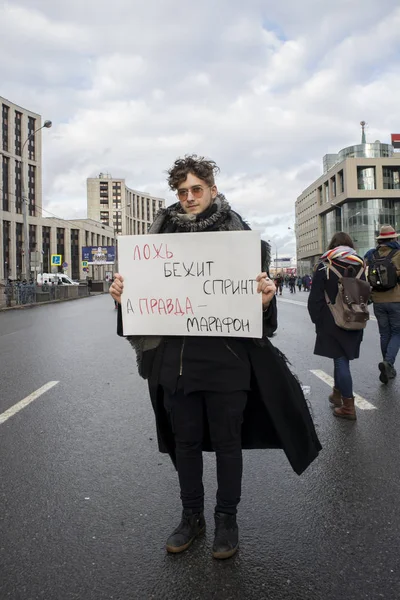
[[276, 414], [332, 341]]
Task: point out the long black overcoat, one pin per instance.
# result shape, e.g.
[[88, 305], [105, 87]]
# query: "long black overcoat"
[[331, 340], [276, 414]]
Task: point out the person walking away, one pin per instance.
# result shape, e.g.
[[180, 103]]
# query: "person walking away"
[[279, 284], [306, 283], [332, 341], [209, 393], [292, 284], [299, 282], [384, 276]]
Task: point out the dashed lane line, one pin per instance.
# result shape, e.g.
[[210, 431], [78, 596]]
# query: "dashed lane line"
[[26, 401], [299, 303], [360, 402]]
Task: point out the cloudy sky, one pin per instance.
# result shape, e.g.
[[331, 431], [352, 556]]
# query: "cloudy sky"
[[265, 88]]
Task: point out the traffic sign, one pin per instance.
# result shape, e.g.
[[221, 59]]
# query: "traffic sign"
[[64, 265], [56, 260], [84, 264], [85, 269]]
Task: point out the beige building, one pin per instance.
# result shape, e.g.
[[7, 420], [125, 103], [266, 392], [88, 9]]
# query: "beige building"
[[112, 202], [358, 192], [47, 236]]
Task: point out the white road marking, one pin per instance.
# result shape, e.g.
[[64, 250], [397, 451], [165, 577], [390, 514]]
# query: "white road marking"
[[26, 401], [359, 400], [299, 303]]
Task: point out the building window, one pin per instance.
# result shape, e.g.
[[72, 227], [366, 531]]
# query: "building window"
[[61, 244], [340, 177], [18, 247], [18, 187], [319, 195], [4, 118], [32, 189], [391, 178], [327, 197], [104, 217], [333, 186], [5, 180], [32, 238], [6, 248], [142, 213], [75, 254], [18, 133], [31, 138], [160, 204], [366, 178], [46, 249]]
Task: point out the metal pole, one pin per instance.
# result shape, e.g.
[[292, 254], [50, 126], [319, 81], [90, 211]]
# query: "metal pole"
[[25, 211]]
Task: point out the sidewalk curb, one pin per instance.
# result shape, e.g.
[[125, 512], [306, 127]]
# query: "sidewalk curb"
[[38, 304]]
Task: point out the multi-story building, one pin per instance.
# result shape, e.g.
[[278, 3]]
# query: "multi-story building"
[[112, 202], [22, 162], [358, 192]]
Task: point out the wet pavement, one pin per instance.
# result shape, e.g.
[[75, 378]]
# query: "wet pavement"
[[86, 500]]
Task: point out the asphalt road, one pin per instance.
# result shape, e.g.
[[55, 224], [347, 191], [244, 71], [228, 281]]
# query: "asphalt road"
[[86, 500]]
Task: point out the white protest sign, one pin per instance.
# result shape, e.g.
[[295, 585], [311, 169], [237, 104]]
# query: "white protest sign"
[[191, 284]]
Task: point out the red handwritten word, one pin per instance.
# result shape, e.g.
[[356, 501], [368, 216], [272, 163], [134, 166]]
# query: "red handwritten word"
[[148, 252], [152, 306]]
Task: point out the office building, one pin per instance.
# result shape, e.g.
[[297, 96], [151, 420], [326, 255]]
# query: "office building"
[[112, 202], [21, 164], [358, 192]]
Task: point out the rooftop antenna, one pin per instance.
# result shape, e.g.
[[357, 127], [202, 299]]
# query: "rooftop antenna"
[[363, 140]]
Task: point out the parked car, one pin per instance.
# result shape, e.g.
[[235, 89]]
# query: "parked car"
[[58, 278]]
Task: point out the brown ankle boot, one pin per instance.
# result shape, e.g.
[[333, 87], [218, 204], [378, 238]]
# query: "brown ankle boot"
[[335, 398], [347, 411]]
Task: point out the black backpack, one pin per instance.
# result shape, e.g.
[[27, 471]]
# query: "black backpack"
[[382, 272]]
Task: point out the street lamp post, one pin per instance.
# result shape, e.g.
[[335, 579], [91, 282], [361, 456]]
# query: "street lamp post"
[[276, 255], [25, 201]]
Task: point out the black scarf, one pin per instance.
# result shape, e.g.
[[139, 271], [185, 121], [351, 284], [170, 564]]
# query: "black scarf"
[[217, 217]]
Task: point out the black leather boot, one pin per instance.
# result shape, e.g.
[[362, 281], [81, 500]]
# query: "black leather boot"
[[226, 540], [191, 525]]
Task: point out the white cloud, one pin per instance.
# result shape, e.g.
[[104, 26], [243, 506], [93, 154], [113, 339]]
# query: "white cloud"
[[264, 88]]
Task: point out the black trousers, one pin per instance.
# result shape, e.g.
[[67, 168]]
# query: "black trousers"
[[223, 414]]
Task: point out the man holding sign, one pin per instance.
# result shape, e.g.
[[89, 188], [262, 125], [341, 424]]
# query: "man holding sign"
[[214, 392]]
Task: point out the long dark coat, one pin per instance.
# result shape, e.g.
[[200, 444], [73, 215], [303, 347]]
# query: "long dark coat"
[[276, 414], [331, 341]]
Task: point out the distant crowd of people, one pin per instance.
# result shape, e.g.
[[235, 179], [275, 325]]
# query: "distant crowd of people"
[[291, 281]]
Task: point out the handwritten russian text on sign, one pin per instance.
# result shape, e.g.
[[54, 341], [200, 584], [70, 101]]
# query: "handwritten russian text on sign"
[[191, 284]]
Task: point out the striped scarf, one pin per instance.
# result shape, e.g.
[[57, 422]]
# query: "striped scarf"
[[344, 254]]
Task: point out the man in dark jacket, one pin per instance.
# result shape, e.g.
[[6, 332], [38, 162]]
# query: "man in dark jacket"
[[387, 303], [201, 386]]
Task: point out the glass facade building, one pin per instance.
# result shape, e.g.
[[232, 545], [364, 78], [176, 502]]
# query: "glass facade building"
[[358, 193], [363, 219]]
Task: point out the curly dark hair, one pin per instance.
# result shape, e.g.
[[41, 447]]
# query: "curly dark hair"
[[197, 165]]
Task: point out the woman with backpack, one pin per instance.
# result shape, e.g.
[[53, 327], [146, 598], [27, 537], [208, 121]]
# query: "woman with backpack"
[[339, 343]]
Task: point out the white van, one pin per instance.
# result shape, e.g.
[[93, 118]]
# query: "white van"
[[58, 278]]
